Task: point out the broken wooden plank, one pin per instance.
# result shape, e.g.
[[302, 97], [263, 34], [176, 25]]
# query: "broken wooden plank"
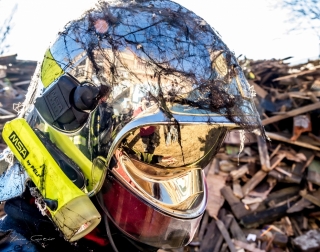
[[227, 166], [251, 200], [281, 195], [313, 97], [253, 182], [275, 151], [256, 219], [303, 159], [283, 171], [244, 159], [282, 138], [237, 207], [295, 75], [237, 174], [261, 192], [223, 226], [292, 155], [276, 160], [281, 177], [236, 231], [215, 200], [314, 197], [225, 235], [314, 137], [8, 113], [237, 190], [263, 154], [213, 237], [296, 228], [291, 113], [208, 242]]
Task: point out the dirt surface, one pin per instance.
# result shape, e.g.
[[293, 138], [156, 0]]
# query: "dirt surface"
[[192, 145]]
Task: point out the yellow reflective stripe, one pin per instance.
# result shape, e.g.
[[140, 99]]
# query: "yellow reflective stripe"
[[80, 140], [50, 69]]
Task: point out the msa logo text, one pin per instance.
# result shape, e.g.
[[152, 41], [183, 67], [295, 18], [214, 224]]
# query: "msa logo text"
[[15, 140]]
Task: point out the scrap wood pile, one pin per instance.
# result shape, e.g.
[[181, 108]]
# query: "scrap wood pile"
[[15, 77], [265, 195]]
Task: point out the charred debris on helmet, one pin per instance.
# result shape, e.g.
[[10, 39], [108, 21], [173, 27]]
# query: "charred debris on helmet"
[[169, 42]]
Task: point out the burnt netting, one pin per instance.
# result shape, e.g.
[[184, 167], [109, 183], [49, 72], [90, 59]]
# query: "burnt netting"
[[167, 51]]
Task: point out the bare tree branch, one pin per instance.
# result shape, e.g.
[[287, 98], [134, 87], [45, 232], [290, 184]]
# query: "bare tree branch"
[[304, 14], [5, 30]]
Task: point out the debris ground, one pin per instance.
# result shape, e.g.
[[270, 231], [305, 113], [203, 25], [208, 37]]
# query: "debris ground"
[[264, 196]]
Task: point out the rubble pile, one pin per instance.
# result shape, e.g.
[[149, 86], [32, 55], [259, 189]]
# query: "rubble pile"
[[264, 194], [15, 77]]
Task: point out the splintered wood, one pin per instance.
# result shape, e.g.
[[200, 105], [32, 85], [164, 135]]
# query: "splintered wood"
[[271, 189], [215, 182], [15, 77], [263, 196]]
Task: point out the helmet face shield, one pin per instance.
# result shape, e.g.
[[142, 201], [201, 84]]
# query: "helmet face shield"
[[145, 223]]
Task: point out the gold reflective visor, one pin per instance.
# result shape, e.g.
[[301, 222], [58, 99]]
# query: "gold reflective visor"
[[175, 191], [175, 145]]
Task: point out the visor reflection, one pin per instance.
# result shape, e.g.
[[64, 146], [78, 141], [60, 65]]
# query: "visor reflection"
[[173, 146]]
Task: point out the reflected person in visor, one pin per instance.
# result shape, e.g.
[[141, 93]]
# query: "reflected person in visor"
[[85, 177]]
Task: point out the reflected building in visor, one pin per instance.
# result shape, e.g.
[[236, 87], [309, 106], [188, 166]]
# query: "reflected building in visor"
[[85, 94]]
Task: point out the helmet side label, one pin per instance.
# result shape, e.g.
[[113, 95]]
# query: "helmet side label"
[[17, 143]]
